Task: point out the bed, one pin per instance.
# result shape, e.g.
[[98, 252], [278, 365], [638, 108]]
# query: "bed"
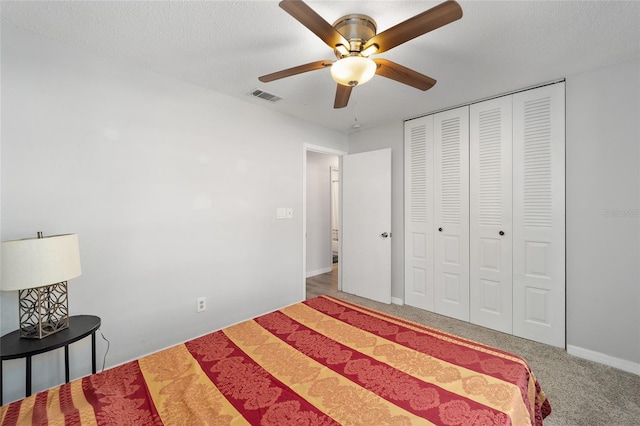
[[323, 361]]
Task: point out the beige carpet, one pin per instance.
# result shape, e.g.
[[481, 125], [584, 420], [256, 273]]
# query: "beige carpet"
[[581, 392]]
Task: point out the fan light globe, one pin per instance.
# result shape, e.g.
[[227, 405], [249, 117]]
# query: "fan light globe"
[[353, 70]]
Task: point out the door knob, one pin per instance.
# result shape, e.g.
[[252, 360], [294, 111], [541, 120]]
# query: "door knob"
[[384, 234], [440, 229], [501, 232]]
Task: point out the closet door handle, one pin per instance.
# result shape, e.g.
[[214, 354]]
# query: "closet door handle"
[[501, 232], [440, 229]]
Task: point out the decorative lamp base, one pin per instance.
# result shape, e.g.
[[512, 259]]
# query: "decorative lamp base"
[[43, 311]]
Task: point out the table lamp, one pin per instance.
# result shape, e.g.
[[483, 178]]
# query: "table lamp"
[[39, 269]]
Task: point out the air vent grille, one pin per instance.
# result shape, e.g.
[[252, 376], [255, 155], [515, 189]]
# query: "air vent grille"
[[256, 93]]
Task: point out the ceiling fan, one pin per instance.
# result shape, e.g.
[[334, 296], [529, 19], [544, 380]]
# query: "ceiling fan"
[[353, 39]]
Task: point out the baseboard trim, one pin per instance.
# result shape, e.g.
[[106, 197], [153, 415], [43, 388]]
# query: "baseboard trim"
[[601, 358], [319, 272], [397, 301]]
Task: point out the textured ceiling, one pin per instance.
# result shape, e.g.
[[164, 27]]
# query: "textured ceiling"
[[495, 48]]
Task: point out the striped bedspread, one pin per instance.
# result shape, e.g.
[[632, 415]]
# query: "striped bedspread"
[[319, 362]]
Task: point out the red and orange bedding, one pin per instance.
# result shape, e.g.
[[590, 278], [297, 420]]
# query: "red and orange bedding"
[[319, 362]]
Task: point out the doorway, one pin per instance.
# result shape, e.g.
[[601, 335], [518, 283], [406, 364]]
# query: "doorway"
[[322, 217], [334, 181]]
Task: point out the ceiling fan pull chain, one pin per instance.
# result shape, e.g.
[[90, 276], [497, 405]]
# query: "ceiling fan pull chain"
[[356, 124]]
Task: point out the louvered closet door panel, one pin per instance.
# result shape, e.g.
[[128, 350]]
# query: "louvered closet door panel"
[[539, 215], [451, 214], [418, 163], [490, 197]]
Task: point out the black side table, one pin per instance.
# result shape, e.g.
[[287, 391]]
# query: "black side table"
[[12, 346]]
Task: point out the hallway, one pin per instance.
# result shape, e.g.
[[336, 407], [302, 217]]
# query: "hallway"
[[323, 283]]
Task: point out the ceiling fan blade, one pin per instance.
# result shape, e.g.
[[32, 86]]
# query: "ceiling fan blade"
[[403, 74], [314, 22], [312, 66], [436, 17], [342, 96]]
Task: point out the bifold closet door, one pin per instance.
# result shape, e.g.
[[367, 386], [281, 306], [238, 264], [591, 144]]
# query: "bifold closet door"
[[418, 219], [539, 214], [490, 197], [451, 212]]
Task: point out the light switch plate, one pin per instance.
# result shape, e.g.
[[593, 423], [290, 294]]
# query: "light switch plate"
[[281, 213], [289, 213]]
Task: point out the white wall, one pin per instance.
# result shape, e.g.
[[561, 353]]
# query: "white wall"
[[603, 202], [389, 135], [172, 189], [319, 259]]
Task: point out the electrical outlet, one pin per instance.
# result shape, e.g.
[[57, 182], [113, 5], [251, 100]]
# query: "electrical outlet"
[[202, 304]]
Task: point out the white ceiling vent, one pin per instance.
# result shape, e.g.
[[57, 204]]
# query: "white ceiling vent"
[[256, 93]]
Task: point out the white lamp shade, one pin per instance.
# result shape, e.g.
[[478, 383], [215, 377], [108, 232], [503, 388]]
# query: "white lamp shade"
[[37, 262], [353, 70]]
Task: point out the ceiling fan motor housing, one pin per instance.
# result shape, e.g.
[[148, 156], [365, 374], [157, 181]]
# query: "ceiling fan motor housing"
[[357, 29]]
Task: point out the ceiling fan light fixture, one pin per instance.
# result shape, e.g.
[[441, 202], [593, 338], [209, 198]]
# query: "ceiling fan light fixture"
[[370, 50], [353, 70], [342, 50]]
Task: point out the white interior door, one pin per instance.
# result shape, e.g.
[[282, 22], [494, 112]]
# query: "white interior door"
[[451, 214], [418, 213], [490, 256], [539, 215], [366, 225]]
